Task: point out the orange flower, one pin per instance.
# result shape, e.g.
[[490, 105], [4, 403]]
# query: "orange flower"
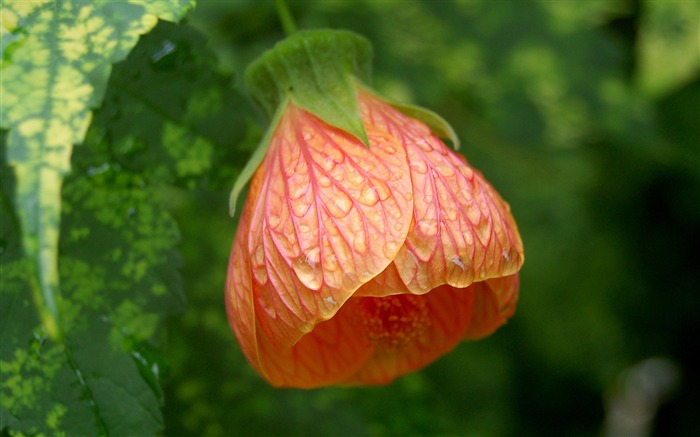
[[355, 264]]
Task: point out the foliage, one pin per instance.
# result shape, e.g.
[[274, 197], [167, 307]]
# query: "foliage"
[[158, 126], [582, 114]]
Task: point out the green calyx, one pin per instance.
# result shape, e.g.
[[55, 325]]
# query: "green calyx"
[[314, 69], [319, 71]]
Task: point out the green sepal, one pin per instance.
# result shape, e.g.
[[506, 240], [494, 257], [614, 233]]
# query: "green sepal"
[[435, 122], [315, 69], [254, 162]]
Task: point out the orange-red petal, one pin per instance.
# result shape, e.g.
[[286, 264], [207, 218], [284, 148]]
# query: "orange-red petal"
[[462, 231], [494, 304], [449, 313]]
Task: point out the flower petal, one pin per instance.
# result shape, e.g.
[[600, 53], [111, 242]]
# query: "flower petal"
[[327, 215], [449, 313], [494, 304], [240, 306], [462, 230], [334, 350]]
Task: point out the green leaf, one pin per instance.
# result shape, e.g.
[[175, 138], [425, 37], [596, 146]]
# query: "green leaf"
[[167, 115], [52, 75]]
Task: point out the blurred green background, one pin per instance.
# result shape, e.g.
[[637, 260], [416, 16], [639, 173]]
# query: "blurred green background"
[[584, 115]]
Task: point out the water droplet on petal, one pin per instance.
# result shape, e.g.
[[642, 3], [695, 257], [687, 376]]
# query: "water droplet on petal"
[[355, 178], [446, 169], [330, 263], [419, 167], [427, 227], [360, 242], [306, 272], [365, 276], [258, 255], [466, 195], [300, 208], [269, 309], [369, 196], [468, 238], [339, 205], [273, 220], [457, 260], [390, 249], [328, 164], [424, 144]]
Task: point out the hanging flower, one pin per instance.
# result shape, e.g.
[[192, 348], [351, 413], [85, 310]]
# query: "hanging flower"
[[366, 248]]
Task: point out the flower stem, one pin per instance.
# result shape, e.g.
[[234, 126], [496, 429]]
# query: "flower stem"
[[286, 18]]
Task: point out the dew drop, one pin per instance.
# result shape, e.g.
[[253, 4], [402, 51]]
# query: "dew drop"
[[306, 272], [408, 196], [446, 170], [355, 178], [167, 48], [424, 144], [467, 195], [258, 256], [457, 260], [395, 176], [330, 263], [390, 149], [398, 226], [324, 182], [360, 243], [328, 164], [273, 220], [269, 309], [382, 189], [390, 249], [339, 205], [419, 167], [468, 238], [427, 227], [369, 196], [300, 208]]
